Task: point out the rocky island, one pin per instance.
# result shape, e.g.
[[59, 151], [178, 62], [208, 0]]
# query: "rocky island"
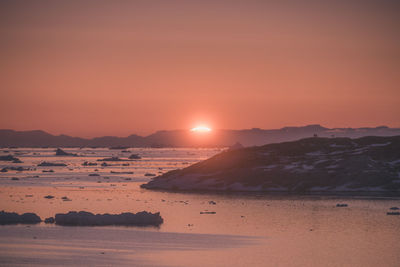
[[367, 164]]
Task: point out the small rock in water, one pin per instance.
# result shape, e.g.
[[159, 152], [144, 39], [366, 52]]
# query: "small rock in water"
[[116, 172], [341, 205], [149, 174], [94, 174], [60, 152], [50, 220], [212, 202], [207, 212], [66, 199], [8, 158], [49, 197], [15, 179], [51, 164], [393, 213], [135, 156], [394, 208], [110, 159], [86, 163]]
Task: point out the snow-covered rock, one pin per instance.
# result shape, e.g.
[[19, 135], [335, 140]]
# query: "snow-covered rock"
[[84, 218], [15, 218], [368, 164]]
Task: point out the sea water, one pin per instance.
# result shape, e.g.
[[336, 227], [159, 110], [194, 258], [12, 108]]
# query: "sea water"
[[199, 229]]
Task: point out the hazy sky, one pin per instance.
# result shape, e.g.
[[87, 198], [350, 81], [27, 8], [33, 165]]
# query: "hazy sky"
[[90, 68]]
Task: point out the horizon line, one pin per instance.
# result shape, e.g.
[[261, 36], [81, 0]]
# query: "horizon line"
[[175, 130]]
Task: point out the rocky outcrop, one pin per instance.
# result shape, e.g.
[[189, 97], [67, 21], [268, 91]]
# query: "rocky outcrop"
[[368, 164]]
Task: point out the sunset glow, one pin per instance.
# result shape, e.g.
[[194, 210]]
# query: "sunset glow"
[[200, 133], [235, 61], [201, 129]]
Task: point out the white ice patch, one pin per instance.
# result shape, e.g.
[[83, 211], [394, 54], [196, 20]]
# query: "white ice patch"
[[332, 166], [277, 189], [319, 188], [385, 144], [395, 162], [241, 187], [335, 145], [320, 161], [336, 152], [315, 153], [365, 188], [267, 167], [291, 166], [308, 167]]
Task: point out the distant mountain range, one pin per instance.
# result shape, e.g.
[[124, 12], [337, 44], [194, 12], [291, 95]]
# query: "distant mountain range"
[[186, 138]]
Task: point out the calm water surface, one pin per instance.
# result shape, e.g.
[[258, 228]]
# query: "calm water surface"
[[246, 230]]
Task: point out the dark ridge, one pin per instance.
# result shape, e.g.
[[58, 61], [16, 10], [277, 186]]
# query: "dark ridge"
[[308, 165]]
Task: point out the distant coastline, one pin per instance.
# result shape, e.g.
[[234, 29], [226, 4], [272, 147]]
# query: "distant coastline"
[[185, 138]]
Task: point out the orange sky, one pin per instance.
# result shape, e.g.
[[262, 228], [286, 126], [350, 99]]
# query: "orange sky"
[[91, 68]]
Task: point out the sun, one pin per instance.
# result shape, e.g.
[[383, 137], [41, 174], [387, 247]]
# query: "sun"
[[201, 129]]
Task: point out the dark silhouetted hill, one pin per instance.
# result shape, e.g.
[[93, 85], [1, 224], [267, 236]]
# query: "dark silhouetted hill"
[[367, 164]]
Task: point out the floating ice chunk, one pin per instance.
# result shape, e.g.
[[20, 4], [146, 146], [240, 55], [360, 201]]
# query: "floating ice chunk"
[[51, 164], [135, 156], [8, 158], [15, 218], [110, 159], [60, 152], [84, 218]]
